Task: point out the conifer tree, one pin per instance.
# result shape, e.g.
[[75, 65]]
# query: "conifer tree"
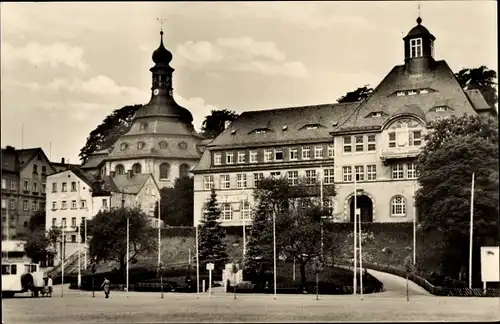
[[212, 248]]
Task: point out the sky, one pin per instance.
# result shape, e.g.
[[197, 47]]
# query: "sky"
[[66, 66]]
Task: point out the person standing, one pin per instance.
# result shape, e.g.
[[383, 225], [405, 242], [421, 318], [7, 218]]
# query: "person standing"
[[106, 284], [49, 286]]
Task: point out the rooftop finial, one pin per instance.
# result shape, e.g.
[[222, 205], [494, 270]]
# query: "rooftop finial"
[[161, 21]]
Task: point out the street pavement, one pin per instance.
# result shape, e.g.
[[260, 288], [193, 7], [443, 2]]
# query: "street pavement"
[[137, 307]]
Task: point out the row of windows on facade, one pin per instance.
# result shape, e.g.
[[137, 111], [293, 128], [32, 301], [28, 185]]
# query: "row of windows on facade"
[[64, 186], [311, 178], [162, 145], [44, 169], [369, 172], [74, 205], [398, 209], [26, 185], [364, 173], [35, 205], [353, 143], [164, 169], [64, 224], [277, 155]]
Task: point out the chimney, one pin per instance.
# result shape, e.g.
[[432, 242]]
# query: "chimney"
[[62, 160], [112, 174], [129, 174], [10, 148]]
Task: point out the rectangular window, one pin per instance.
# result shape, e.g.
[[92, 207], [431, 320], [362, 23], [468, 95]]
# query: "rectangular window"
[[26, 185], [241, 180], [241, 157], [392, 139], [360, 172], [73, 186], [412, 170], [371, 172], [318, 152], [253, 157], [306, 153], [54, 187], [208, 182], [268, 155], [397, 171], [35, 186], [310, 177], [12, 204], [329, 176], [331, 151], [275, 174], [105, 203], [35, 168], [34, 205], [64, 187], [347, 174], [278, 155], [245, 210], [73, 221], [25, 205], [54, 205], [227, 212], [4, 184], [229, 158], [63, 222], [217, 159], [44, 187], [44, 169], [64, 204], [294, 154], [359, 143], [256, 178], [13, 184], [293, 178], [416, 47], [415, 138], [73, 238], [83, 204], [347, 144], [54, 221], [225, 181], [371, 143], [4, 203], [73, 204]]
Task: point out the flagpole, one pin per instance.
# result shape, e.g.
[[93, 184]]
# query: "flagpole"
[[414, 226], [197, 266], [355, 236], [85, 247], [62, 262], [360, 259], [471, 230], [274, 250], [321, 175]]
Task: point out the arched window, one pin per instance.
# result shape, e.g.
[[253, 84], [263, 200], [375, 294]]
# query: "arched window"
[[140, 145], [184, 170], [119, 169], [164, 171], [163, 145], [137, 168], [398, 206], [227, 212]]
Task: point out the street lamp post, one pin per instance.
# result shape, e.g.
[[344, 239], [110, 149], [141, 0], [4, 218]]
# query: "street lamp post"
[[63, 246], [79, 256], [274, 250], [355, 231], [159, 247]]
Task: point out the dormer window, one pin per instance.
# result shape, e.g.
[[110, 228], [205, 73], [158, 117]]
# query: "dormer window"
[[376, 114], [441, 109], [400, 93], [285, 128], [140, 145], [431, 45], [144, 126], [123, 146], [261, 131], [312, 127], [423, 91], [415, 47], [412, 93]]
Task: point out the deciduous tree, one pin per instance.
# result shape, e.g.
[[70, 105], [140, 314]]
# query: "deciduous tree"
[[214, 124], [359, 94], [177, 203], [40, 244], [480, 78], [108, 235], [211, 236]]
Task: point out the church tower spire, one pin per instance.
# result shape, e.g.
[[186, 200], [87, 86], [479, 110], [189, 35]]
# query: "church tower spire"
[[162, 71], [419, 49]]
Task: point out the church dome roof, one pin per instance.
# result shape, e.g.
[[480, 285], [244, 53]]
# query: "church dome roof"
[[161, 54], [419, 30]]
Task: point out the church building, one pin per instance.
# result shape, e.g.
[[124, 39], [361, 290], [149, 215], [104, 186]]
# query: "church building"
[[376, 141], [162, 140]]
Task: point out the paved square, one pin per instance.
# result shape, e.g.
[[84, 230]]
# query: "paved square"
[[80, 307]]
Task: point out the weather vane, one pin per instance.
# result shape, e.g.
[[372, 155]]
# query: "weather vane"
[[418, 8], [161, 21]]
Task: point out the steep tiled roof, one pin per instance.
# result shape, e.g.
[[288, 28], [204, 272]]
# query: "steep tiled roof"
[[87, 177], [26, 155], [477, 99], [130, 185], [94, 160], [444, 90], [283, 125], [16, 160], [204, 163]]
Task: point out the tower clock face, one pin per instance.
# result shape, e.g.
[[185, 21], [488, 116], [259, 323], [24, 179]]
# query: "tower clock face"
[[156, 92]]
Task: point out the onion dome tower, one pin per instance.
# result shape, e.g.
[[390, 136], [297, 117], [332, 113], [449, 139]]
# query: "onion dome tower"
[[419, 49]]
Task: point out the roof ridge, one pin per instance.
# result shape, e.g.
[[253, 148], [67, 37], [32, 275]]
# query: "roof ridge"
[[298, 107]]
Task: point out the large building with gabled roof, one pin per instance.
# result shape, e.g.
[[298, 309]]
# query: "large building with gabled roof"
[[162, 140], [376, 141]]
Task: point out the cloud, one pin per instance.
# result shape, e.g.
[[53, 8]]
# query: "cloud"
[[198, 108], [53, 55], [238, 54]]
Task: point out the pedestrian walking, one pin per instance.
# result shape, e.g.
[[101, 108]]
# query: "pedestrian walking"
[[49, 286], [106, 284]]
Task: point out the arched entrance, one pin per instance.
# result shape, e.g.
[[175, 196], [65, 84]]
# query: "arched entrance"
[[365, 204]]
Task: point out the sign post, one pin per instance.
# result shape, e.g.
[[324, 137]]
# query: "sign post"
[[210, 267], [93, 273], [490, 267]]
